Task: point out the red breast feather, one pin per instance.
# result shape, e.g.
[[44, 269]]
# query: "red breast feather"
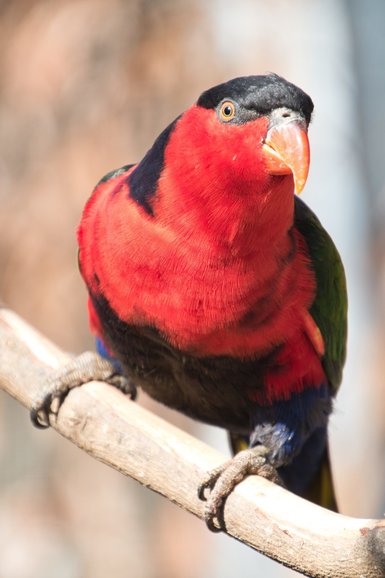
[[218, 269]]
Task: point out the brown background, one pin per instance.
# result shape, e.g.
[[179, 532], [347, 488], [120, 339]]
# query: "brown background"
[[85, 86]]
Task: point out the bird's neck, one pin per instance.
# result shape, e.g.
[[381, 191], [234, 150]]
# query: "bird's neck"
[[229, 216]]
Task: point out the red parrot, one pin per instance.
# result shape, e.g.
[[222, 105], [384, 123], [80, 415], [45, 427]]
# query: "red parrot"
[[214, 288]]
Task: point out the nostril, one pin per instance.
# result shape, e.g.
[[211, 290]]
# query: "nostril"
[[286, 114]]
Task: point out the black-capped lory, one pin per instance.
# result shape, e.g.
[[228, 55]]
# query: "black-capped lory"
[[214, 288]]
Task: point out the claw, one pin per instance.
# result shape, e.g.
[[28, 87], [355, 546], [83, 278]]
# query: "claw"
[[87, 367], [55, 405], [222, 480], [39, 418], [210, 480]]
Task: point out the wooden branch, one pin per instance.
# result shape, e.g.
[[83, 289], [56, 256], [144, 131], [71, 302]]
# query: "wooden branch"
[[108, 426]]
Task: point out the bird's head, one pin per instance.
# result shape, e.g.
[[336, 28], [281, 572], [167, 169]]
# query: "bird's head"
[[250, 128]]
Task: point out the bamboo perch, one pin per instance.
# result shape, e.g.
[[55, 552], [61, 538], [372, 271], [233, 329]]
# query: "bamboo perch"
[[113, 429]]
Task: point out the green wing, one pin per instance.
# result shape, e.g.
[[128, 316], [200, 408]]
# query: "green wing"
[[329, 309], [114, 173]]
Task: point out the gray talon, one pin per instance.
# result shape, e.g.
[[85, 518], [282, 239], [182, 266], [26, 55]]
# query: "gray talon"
[[87, 367], [222, 480]]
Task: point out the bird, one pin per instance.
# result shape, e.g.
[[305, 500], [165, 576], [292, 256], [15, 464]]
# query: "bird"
[[215, 289]]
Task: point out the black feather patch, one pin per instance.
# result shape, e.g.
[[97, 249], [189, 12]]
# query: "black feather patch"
[[213, 389], [143, 180]]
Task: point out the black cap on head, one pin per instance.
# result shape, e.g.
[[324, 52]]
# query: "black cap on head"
[[258, 96]]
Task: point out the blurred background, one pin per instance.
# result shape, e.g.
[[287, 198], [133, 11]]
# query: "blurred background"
[[86, 86]]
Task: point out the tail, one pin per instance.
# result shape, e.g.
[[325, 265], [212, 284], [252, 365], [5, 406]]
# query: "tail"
[[319, 490]]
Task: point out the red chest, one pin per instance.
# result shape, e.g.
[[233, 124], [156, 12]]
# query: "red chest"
[[237, 294]]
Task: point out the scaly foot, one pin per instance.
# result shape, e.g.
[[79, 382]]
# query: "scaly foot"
[[88, 366], [222, 480]]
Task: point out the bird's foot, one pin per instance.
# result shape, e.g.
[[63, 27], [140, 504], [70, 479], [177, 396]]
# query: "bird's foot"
[[88, 366], [222, 480]]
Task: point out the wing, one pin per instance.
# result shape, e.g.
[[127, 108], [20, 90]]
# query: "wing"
[[329, 309], [114, 173]]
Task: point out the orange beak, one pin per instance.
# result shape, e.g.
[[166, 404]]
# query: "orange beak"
[[286, 151]]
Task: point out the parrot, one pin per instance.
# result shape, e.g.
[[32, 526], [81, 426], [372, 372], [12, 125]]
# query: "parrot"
[[214, 288]]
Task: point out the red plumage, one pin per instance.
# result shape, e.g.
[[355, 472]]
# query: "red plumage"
[[196, 271]]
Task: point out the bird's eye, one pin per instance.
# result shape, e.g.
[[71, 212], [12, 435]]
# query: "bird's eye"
[[227, 111]]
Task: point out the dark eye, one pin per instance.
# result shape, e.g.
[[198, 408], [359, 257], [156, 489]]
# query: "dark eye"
[[227, 111]]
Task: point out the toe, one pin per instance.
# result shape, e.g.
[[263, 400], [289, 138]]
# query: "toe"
[[222, 480], [39, 417]]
